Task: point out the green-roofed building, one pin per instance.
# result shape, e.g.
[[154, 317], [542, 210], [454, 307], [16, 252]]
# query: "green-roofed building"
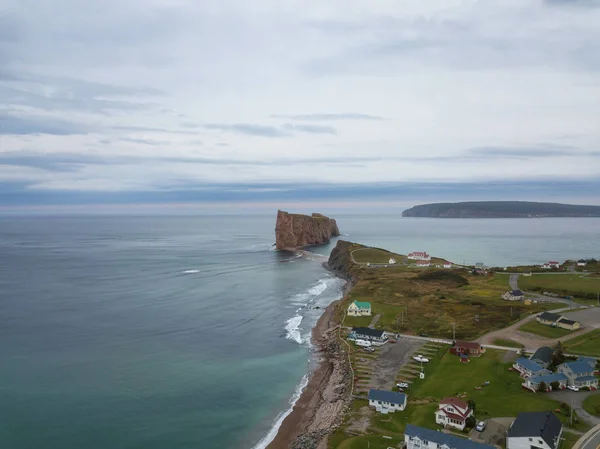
[[359, 308]]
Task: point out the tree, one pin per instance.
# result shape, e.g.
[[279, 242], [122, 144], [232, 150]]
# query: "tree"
[[471, 421], [542, 387], [555, 385], [522, 352], [472, 404]]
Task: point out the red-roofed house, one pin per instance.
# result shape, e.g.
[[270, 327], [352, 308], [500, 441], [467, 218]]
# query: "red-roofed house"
[[554, 264], [452, 412], [467, 347], [419, 255]]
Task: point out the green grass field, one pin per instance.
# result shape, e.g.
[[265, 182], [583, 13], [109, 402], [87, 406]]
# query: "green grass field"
[[569, 440], [507, 343], [533, 327], [592, 404], [374, 255], [586, 344], [565, 284]]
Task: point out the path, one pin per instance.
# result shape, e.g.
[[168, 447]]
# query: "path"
[[575, 399], [374, 321]]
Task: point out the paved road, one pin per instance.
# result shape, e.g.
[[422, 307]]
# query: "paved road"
[[576, 398], [590, 440]]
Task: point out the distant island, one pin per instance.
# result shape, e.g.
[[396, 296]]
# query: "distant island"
[[501, 209], [297, 230]]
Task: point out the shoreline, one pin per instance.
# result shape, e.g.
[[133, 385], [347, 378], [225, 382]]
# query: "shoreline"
[[319, 407]]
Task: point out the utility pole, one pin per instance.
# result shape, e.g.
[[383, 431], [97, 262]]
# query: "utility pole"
[[453, 331], [571, 417]]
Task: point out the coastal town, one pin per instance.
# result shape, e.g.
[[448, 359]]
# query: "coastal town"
[[441, 355]]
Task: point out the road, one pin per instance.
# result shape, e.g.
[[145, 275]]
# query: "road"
[[590, 440], [514, 285], [575, 399]]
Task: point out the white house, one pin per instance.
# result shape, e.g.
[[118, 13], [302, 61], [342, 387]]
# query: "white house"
[[452, 412], [581, 263], [580, 374], [419, 255], [529, 368], [534, 430], [387, 401], [446, 264], [416, 437], [375, 336], [359, 308], [513, 295], [546, 266], [423, 263], [534, 383], [392, 261]]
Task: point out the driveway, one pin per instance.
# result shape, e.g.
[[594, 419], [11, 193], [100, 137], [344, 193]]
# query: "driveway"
[[392, 357], [494, 432], [587, 317], [575, 399]]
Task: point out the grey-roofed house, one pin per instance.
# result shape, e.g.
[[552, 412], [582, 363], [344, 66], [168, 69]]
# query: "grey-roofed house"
[[529, 368], [571, 325], [372, 335], [417, 437], [514, 295], [543, 356], [534, 383], [387, 401], [548, 318], [580, 374], [534, 430]]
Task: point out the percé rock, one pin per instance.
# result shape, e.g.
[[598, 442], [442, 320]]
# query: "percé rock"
[[296, 230]]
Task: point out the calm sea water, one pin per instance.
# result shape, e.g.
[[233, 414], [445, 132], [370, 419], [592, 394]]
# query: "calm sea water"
[[189, 332]]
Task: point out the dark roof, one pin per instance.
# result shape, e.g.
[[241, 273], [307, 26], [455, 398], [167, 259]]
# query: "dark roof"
[[456, 402], [548, 378], [549, 316], [387, 396], [441, 438], [579, 367], [537, 424], [467, 344], [368, 332], [568, 322], [516, 293], [544, 354]]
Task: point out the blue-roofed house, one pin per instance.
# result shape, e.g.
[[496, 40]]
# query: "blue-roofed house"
[[417, 437], [543, 356], [591, 360], [529, 368], [580, 374], [533, 383], [387, 401]]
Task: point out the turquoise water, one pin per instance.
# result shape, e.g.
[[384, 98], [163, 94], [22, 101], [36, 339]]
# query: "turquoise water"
[[189, 332]]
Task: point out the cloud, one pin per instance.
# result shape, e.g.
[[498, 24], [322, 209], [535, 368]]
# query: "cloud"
[[327, 117], [311, 129], [34, 125], [248, 129], [150, 129], [541, 152], [150, 142]]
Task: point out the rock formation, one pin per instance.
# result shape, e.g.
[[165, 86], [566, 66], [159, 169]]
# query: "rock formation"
[[296, 230]]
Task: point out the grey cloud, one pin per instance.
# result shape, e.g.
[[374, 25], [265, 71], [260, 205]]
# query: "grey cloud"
[[249, 129], [541, 152], [144, 141], [326, 117], [577, 3], [41, 125], [311, 129], [149, 129]]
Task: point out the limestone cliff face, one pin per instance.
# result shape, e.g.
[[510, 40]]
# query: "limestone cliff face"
[[295, 230]]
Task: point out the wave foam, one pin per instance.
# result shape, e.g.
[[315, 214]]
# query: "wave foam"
[[262, 444], [293, 329]]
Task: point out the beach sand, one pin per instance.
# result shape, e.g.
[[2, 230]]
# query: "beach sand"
[[320, 407]]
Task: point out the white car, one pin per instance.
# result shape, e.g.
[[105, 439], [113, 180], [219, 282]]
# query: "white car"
[[480, 426], [573, 388], [402, 385], [420, 358]]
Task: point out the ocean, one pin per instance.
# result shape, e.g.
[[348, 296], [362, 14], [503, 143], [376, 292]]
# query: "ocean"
[[190, 331]]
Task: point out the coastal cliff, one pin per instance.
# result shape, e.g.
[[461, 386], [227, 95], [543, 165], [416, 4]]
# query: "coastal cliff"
[[501, 209], [296, 230]]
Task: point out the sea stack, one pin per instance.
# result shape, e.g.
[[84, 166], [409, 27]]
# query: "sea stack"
[[297, 230]]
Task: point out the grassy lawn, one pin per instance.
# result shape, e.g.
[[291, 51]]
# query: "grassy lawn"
[[563, 284], [592, 404], [533, 327], [507, 343], [570, 440], [374, 255], [586, 344]]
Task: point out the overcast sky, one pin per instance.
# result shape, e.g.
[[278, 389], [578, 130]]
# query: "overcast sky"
[[171, 101]]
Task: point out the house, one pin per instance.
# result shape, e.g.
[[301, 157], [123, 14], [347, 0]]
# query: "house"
[[419, 255], [592, 361], [392, 261], [387, 401], [546, 266], [359, 308], [581, 263], [423, 263], [580, 374], [543, 356], [534, 430], [554, 264], [416, 437], [513, 295], [480, 265], [548, 318], [571, 325], [467, 348], [373, 335], [534, 383], [446, 264], [452, 412], [528, 368]]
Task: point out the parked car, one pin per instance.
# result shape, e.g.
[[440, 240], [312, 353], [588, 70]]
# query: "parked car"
[[573, 388], [369, 349], [402, 385], [480, 426], [420, 358], [391, 340]]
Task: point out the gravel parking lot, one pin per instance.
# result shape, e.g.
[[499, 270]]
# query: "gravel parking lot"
[[391, 357]]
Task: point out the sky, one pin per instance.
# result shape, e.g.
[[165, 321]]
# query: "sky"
[[271, 102]]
